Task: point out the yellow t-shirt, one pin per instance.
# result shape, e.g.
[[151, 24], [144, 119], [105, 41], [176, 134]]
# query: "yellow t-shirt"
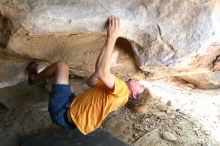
[[89, 109]]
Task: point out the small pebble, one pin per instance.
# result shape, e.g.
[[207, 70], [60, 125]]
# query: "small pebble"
[[169, 103], [172, 116], [168, 111], [168, 136], [136, 134]]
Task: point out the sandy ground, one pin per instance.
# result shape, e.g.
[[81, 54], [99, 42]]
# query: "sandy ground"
[[203, 105], [27, 114], [147, 129]]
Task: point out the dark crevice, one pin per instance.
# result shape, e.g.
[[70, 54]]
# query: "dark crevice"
[[127, 47], [6, 30], [159, 30], [216, 60], [3, 108]]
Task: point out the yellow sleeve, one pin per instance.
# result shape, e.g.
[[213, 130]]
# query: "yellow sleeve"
[[120, 88]]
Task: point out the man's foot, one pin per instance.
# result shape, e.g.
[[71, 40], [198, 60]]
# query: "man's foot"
[[32, 71]]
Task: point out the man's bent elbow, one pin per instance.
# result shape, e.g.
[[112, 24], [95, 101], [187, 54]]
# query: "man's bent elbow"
[[101, 75]]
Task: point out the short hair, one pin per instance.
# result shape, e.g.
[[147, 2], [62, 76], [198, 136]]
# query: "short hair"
[[142, 103]]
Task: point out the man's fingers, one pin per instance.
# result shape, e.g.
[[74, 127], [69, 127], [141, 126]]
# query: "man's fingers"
[[118, 22], [112, 21], [115, 21], [114, 26], [109, 21]]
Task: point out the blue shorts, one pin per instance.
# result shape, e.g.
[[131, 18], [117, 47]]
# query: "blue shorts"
[[59, 100]]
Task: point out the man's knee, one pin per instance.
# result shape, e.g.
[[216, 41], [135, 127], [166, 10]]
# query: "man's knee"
[[62, 66]]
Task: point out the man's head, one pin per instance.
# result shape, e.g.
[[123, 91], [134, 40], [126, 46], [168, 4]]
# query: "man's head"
[[135, 88]]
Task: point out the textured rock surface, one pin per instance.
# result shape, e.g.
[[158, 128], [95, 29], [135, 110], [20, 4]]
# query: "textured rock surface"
[[209, 76], [204, 81], [11, 70], [165, 36]]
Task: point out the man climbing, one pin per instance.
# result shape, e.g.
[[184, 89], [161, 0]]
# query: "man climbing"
[[107, 93]]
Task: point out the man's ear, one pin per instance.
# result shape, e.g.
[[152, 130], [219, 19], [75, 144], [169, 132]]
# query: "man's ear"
[[134, 95]]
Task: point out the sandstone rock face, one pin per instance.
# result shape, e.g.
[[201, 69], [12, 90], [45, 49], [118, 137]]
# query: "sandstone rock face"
[[209, 75], [205, 80], [5, 31], [164, 37], [11, 70]]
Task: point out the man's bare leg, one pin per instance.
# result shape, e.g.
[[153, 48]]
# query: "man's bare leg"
[[59, 70]]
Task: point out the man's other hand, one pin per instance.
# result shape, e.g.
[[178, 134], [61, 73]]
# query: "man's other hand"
[[113, 27]]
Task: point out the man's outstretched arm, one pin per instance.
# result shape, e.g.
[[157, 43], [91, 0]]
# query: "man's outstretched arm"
[[103, 63]]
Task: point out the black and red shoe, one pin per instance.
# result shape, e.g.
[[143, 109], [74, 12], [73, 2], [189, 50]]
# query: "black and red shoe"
[[32, 71]]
